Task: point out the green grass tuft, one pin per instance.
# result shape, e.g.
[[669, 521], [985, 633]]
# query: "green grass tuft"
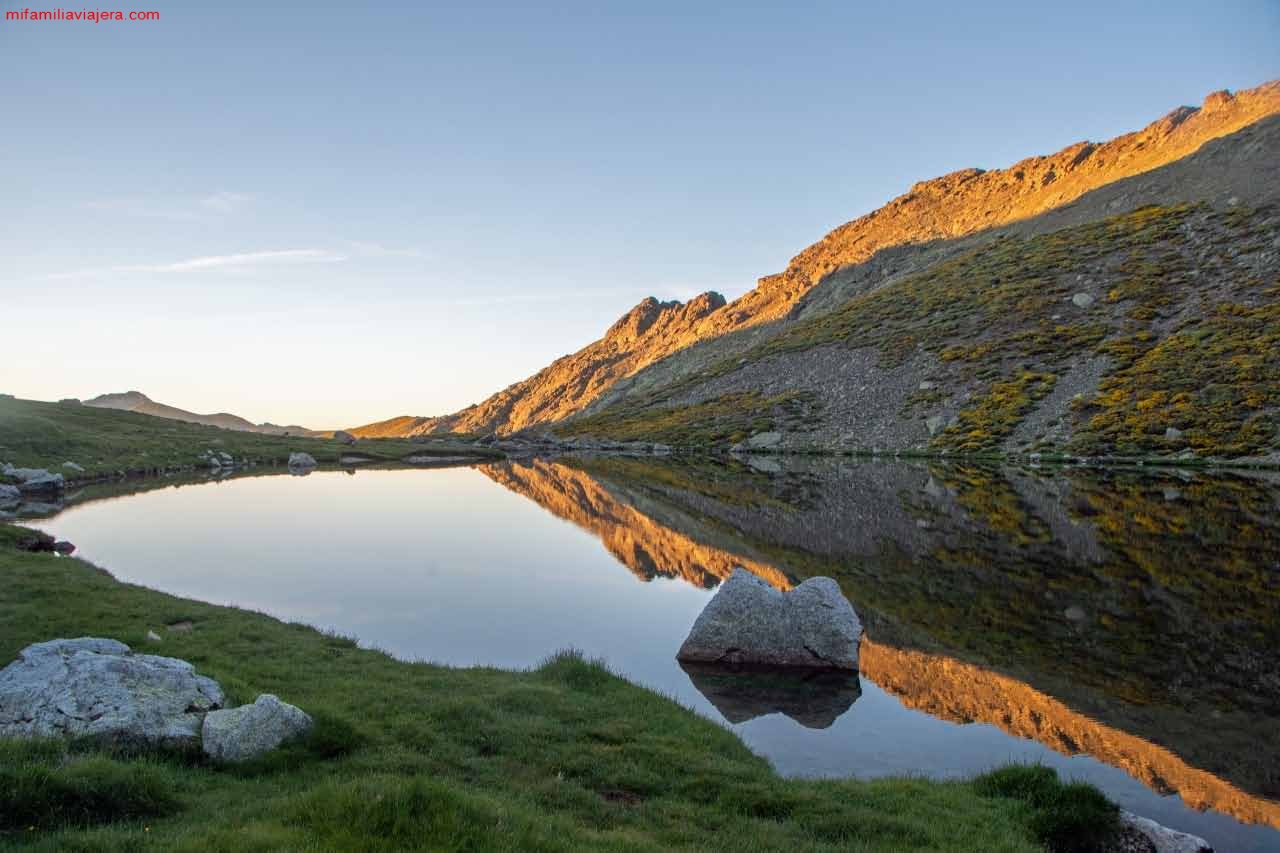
[[1068, 817], [45, 787]]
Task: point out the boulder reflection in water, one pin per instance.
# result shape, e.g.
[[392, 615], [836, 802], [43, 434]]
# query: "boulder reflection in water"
[[813, 698]]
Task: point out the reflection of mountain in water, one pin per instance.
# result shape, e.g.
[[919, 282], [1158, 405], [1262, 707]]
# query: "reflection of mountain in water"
[[1126, 616], [640, 543], [814, 699], [962, 693]]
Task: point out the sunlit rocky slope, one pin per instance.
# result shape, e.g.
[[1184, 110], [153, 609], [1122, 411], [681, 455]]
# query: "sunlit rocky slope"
[[1058, 251]]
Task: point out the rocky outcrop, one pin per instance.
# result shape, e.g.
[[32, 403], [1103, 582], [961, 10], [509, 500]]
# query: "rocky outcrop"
[[973, 200], [344, 436], [100, 689], [748, 622], [646, 333], [250, 731], [9, 495]]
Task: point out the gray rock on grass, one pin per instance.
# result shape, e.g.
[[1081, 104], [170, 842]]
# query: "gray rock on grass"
[[344, 436], [749, 622], [9, 494], [1166, 840], [35, 479], [100, 689], [244, 733]]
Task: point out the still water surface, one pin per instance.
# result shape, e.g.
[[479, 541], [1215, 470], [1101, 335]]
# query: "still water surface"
[[1118, 629]]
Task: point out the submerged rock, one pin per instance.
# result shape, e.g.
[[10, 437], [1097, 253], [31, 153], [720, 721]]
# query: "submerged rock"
[[301, 460], [750, 622], [355, 460], [240, 734], [813, 698], [764, 439], [98, 688]]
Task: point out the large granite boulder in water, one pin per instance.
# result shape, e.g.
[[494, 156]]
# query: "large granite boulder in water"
[[239, 734], [98, 688], [749, 622]]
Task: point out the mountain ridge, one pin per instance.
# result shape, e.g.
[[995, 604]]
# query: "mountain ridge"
[[956, 205]]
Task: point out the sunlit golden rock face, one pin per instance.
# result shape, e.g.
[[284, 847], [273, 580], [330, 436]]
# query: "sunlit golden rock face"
[[954, 205], [972, 200], [952, 690], [645, 547]]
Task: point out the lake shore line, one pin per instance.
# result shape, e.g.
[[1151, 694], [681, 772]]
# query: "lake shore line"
[[559, 757]]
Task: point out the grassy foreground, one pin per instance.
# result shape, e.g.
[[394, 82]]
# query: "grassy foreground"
[[417, 756], [106, 442]]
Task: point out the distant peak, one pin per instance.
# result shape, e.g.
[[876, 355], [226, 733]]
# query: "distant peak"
[[133, 396]]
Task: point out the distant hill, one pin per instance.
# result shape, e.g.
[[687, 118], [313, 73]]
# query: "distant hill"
[[136, 401]]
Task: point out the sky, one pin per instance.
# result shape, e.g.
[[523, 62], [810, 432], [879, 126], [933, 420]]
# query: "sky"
[[331, 214]]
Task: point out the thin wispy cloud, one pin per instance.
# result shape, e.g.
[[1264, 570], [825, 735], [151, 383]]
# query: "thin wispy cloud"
[[220, 203], [242, 260]]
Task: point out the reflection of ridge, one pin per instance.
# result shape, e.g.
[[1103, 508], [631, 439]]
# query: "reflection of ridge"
[[645, 547], [956, 691], [936, 684]]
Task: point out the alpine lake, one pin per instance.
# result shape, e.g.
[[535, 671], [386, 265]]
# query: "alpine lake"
[[1120, 625]]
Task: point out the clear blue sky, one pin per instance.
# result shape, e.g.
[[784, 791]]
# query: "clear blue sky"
[[335, 213]]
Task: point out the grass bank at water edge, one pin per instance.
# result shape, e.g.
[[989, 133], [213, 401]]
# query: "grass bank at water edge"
[[566, 756], [108, 443]]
